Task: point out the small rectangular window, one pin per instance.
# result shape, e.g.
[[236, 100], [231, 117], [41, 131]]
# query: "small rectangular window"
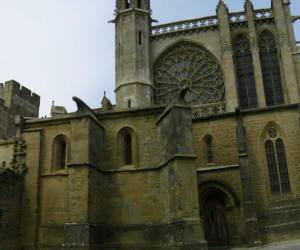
[[129, 103]]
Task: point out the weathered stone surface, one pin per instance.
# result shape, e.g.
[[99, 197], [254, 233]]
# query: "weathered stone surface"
[[157, 198]]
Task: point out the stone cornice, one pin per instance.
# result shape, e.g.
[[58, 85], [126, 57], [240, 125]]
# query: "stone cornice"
[[250, 112]]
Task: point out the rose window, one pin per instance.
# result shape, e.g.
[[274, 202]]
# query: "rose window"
[[189, 67]]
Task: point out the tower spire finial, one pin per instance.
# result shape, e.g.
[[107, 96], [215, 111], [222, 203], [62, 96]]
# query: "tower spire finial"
[[248, 3], [222, 6]]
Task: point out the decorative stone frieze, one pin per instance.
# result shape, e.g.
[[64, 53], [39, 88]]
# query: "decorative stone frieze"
[[17, 164]]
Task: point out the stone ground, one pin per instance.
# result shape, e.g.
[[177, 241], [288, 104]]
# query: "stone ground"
[[289, 245]]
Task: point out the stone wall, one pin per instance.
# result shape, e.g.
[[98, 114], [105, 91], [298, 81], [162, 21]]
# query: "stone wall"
[[11, 190], [15, 100]]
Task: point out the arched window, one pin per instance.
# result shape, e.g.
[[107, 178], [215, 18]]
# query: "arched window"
[[209, 148], [277, 164], [126, 147], [245, 72], [59, 152], [270, 69]]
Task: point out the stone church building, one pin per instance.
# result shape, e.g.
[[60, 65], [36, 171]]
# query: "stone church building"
[[201, 149]]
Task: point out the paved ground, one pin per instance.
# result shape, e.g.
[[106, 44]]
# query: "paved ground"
[[289, 245]]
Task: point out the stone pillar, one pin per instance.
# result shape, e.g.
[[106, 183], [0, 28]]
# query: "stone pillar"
[[255, 54], [289, 23], [288, 66], [179, 178], [252, 226], [77, 226], [227, 58]]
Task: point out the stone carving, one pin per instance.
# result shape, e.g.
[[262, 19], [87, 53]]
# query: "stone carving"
[[283, 41], [205, 22], [263, 14], [190, 67], [238, 17], [272, 132], [208, 110], [17, 165]]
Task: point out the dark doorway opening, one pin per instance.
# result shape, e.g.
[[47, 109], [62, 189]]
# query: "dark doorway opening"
[[215, 222]]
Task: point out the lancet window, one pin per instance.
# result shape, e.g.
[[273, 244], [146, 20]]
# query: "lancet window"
[[245, 72], [126, 147], [277, 163], [270, 69], [59, 153]]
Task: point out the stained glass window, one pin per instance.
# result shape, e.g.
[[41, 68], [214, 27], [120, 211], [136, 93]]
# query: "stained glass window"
[[209, 149], [270, 69], [277, 163], [282, 165], [245, 72], [273, 175]]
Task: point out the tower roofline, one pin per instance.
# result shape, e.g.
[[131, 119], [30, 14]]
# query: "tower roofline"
[[16, 88]]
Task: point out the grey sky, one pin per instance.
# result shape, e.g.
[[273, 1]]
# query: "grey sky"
[[65, 48]]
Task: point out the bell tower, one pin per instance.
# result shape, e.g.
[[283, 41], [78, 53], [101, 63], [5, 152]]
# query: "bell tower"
[[133, 70]]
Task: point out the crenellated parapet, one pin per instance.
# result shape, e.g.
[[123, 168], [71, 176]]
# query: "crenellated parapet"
[[13, 88]]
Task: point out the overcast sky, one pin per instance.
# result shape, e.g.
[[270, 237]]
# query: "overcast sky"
[[65, 48]]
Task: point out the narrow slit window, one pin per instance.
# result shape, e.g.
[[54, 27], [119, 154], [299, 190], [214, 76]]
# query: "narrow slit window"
[[140, 38], [127, 4], [273, 174], [127, 149], [209, 149], [139, 4], [63, 153], [282, 166]]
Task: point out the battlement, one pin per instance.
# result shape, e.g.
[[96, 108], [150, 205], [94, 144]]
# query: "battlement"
[[15, 88]]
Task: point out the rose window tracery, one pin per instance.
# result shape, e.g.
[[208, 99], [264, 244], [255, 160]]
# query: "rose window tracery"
[[189, 67]]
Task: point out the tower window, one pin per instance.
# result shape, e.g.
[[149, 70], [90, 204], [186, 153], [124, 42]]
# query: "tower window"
[[140, 37], [139, 4], [245, 72], [127, 4], [59, 153], [129, 103], [277, 164], [270, 69]]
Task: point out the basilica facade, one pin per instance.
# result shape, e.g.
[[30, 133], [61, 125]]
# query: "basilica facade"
[[201, 149]]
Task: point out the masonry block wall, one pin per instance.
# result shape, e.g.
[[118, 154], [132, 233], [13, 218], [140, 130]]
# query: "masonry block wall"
[[16, 100], [11, 191]]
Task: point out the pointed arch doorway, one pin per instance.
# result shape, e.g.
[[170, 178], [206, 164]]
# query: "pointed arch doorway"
[[215, 221]]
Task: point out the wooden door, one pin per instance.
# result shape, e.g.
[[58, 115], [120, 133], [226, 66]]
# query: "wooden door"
[[215, 223]]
